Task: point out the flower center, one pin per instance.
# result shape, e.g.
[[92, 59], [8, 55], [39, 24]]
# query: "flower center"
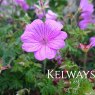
[[44, 41]]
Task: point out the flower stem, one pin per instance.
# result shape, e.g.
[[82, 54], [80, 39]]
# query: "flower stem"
[[44, 66], [74, 18], [85, 60]]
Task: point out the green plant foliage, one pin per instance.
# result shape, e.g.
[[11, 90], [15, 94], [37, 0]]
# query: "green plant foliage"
[[24, 74], [81, 87]]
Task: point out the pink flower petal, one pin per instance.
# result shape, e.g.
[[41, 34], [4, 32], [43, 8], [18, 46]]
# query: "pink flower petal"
[[62, 35], [83, 3], [90, 8], [57, 44], [28, 37], [53, 28], [58, 41], [54, 25], [35, 28], [86, 6], [86, 15], [4, 68], [83, 24], [92, 41], [31, 47], [23, 4], [51, 15], [45, 52]]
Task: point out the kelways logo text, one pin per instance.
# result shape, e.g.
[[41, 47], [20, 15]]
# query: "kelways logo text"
[[70, 74]]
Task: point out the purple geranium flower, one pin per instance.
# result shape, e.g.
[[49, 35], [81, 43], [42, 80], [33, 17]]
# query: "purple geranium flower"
[[43, 38], [92, 41], [86, 20], [51, 15], [86, 9], [86, 6], [22, 4]]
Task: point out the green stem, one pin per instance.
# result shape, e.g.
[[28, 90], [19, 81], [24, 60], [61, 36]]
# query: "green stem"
[[85, 61], [55, 68], [74, 18], [44, 66]]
